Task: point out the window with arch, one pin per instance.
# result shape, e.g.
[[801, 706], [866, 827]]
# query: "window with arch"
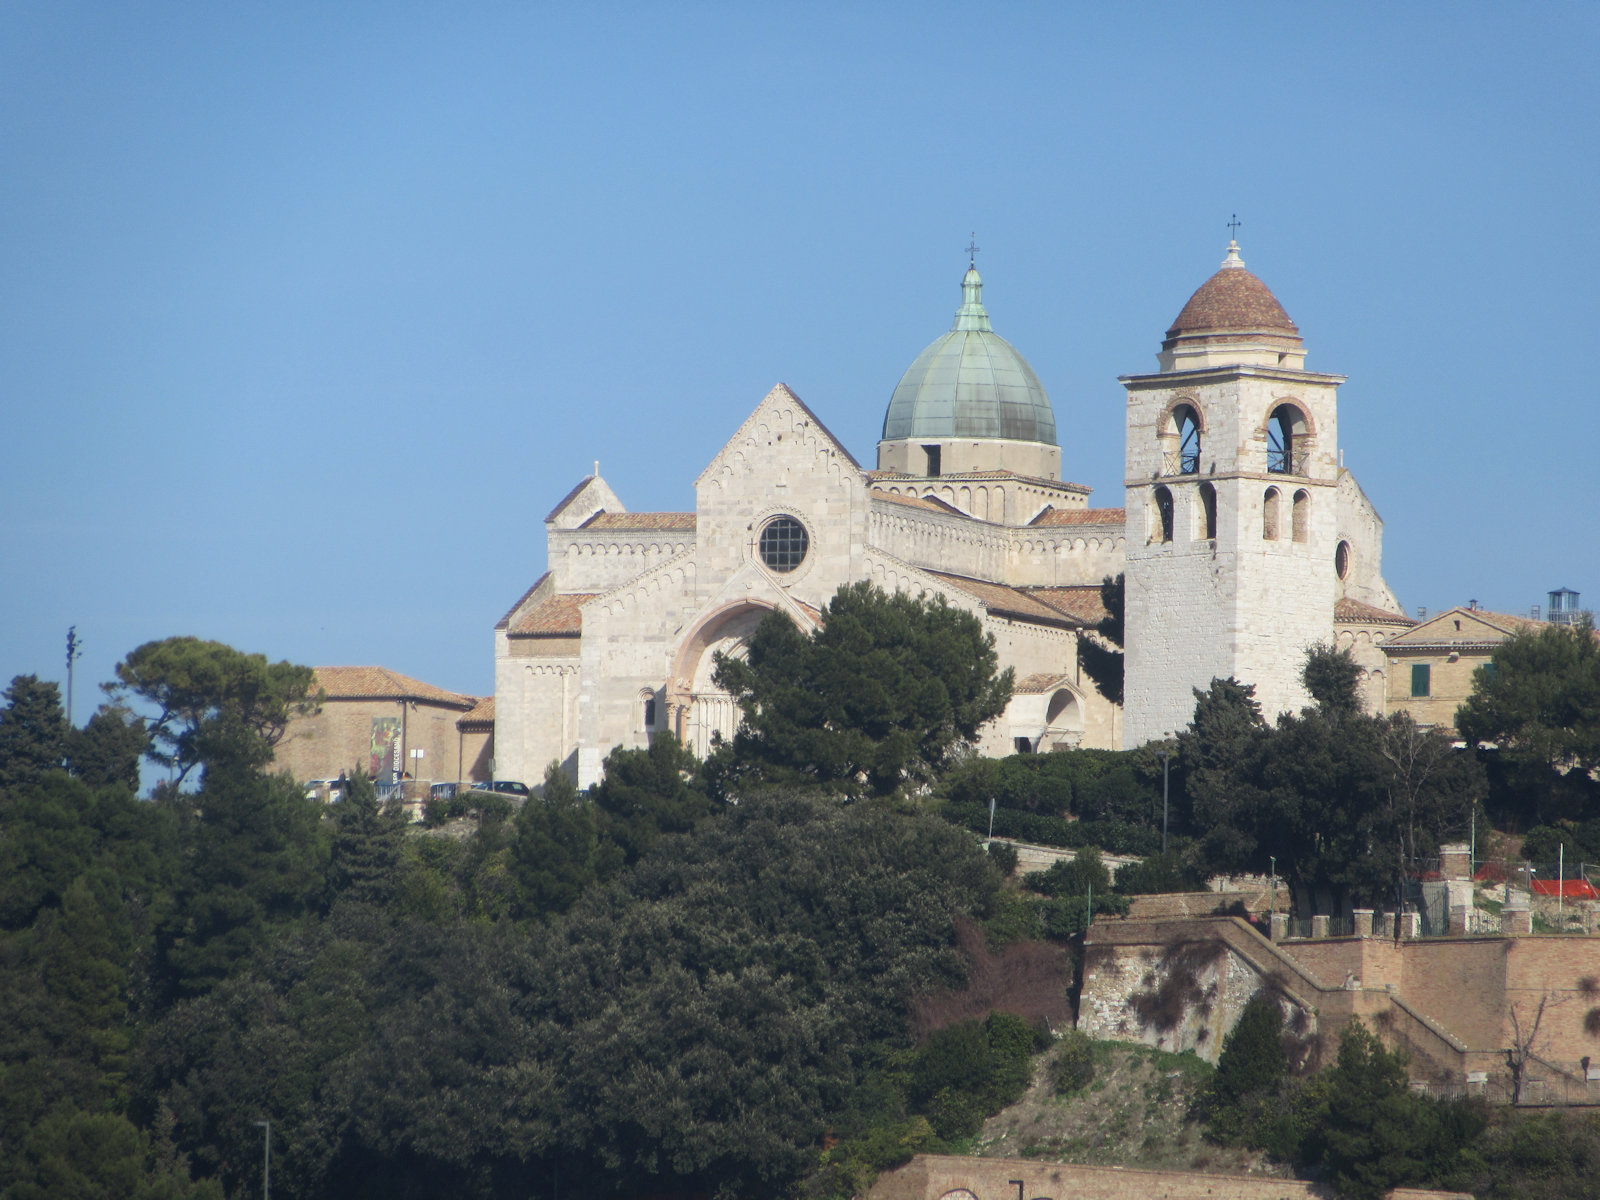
[[784, 543], [1269, 515], [1187, 423], [1286, 432], [1341, 560], [1163, 499], [1208, 511], [1301, 521], [647, 710]]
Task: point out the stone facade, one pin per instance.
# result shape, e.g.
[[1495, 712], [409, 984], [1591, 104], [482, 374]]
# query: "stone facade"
[[378, 719], [1430, 667], [1457, 1004], [1270, 548]]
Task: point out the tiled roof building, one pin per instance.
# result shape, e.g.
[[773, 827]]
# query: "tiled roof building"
[[1241, 536]]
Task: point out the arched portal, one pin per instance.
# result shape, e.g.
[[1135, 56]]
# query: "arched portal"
[[698, 711], [1063, 721]]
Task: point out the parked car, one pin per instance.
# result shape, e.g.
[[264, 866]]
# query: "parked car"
[[506, 787], [327, 790]]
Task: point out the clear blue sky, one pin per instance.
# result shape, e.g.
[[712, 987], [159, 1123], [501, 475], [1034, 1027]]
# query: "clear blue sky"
[[309, 313]]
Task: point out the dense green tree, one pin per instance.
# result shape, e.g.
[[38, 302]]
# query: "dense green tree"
[[212, 702], [1537, 702], [367, 836], [257, 855], [1101, 656], [33, 732], [1342, 800], [886, 692], [646, 793], [74, 1155], [1371, 1132], [1253, 1062], [556, 853], [106, 752], [1218, 755]]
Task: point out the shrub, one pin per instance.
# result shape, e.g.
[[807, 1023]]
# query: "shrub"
[[1073, 1068]]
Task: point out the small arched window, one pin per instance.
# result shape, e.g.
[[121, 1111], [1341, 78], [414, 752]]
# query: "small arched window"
[[1286, 430], [1269, 515], [1302, 516], [1163, 499], [1208, 511], [1341, 560], [1187, 422]]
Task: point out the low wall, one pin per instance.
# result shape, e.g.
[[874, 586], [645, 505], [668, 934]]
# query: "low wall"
[[937, 1177]]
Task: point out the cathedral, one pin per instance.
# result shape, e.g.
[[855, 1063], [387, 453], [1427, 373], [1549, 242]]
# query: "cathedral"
[[1242, 540]]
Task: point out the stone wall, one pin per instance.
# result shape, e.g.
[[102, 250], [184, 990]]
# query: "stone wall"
[[339, 738]]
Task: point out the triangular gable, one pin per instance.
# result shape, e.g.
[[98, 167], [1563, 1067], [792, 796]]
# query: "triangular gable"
[[592, 495], [750, 582], [1466, 626], [779, 398]]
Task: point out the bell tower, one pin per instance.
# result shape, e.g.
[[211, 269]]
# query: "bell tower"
[[1232, 476]]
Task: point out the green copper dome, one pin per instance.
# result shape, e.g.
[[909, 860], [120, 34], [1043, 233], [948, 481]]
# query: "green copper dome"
[[971, 383]]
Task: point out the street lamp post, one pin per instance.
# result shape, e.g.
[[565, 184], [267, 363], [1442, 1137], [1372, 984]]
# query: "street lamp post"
[[266, 1162]]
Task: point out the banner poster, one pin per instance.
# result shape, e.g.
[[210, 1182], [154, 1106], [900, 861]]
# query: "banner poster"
[[385, 749]]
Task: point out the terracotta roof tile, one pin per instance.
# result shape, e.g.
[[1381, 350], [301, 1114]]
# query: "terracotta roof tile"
[[1357, 613], [556, 616], [481, 713], [1008, 601], [380, 683], [1233, 299], [1081, 516], [642, 521], [911, 501], [1080, 603], [521, 600]]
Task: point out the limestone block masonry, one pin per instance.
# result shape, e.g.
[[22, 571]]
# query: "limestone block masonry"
[[1241, 538]]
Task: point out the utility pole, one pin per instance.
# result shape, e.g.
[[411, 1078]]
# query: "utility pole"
[[74, 652], [266, 1162]]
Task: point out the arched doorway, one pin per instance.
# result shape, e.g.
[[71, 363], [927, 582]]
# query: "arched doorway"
[[1063, 721], [698, 711]]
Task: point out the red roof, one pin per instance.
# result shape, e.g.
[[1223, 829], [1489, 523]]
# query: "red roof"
[[1233, 299], [380, 683], [641, 521], [1081, 516], [560, 616]]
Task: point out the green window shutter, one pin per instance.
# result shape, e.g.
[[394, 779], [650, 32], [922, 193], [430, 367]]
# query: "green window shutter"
[[1421, 680]]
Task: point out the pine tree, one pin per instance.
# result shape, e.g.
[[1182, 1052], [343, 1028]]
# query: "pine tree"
[[366, 844], [33, 730]]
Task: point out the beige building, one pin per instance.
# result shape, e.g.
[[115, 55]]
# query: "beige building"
[[1243, 538], [1430, 666], [387, 723]]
